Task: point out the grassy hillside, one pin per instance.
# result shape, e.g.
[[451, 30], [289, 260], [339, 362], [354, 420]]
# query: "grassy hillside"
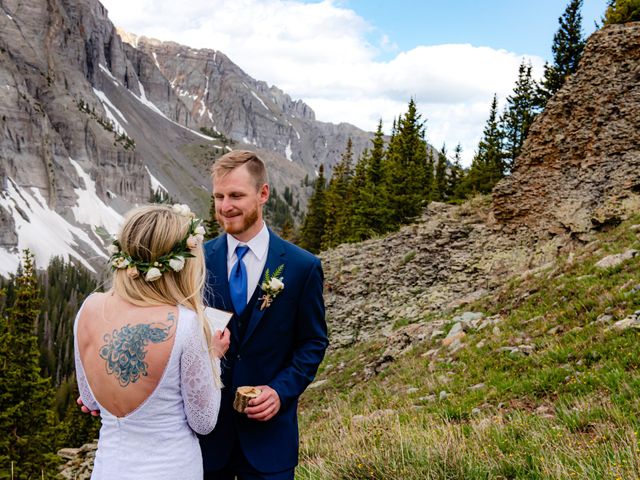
[[544, 387]]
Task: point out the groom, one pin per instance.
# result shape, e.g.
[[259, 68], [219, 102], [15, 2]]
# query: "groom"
[[276, 345]]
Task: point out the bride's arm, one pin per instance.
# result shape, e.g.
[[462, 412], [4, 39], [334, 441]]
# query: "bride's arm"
[[83, 385], [200, 391]]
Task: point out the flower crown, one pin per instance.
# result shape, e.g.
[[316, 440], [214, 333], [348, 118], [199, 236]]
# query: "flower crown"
[[172, 261]]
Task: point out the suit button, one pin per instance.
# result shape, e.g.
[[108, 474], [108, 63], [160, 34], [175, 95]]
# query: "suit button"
[[238, 356]]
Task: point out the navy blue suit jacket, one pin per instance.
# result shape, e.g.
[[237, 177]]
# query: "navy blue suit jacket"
[[281, 347]]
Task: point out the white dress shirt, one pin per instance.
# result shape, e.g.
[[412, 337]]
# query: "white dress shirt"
[[254, 260]]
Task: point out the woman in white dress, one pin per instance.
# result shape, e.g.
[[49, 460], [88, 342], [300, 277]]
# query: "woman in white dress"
[[145, 355]]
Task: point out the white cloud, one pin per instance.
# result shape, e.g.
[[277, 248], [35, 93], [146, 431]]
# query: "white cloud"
[[319, 52]]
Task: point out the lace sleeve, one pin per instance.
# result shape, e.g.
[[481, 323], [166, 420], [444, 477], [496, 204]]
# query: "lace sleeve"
[[199, 383], [83, 385]]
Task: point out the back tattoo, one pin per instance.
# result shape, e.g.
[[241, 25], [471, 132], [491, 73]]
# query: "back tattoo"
[[124, 349]]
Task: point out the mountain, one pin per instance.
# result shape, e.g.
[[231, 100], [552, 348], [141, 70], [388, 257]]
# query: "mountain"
[[222, 97], [91, 125]]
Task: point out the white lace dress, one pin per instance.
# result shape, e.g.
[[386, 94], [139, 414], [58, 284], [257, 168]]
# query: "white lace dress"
[[157, 440]]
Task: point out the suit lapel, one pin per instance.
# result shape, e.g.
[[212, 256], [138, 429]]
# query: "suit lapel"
[[219, 283], [275, 258]]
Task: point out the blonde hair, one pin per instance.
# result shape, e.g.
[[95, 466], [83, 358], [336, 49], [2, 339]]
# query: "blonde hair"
[[237, 158], [149, 232]]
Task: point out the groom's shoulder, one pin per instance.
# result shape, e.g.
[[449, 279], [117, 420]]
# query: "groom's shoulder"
[[214, 243]]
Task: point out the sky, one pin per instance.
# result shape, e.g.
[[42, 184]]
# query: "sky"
[[361, 61]]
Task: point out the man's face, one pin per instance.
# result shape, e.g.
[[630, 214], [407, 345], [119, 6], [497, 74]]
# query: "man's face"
[[238, 203]]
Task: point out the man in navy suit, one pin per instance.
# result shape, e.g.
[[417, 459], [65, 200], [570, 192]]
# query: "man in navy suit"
[[276, 345]]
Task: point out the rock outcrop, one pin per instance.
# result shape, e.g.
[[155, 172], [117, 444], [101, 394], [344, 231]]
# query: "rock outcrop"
[[580, 166], [453, 256]]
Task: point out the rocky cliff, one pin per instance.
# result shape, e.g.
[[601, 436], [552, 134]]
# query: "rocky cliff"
[[580, 166], [90, 125]]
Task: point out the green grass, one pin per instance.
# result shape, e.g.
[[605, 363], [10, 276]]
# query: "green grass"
[[570, 409]]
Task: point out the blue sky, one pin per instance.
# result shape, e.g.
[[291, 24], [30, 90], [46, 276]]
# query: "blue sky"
[[525, 27], [359, 61]]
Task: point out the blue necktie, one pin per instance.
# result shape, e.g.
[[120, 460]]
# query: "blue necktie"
[[238, 281]]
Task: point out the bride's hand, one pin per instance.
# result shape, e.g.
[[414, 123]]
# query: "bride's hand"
[[220, 342]]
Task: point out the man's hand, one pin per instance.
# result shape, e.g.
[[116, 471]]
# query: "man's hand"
[[264, 406], [84, 409]]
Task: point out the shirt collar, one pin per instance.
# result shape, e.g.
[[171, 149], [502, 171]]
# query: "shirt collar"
[[258, 244]]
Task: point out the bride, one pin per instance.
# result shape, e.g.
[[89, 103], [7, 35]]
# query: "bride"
[[145, 355]]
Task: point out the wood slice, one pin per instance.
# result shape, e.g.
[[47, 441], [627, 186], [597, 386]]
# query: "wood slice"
[[243, 395]]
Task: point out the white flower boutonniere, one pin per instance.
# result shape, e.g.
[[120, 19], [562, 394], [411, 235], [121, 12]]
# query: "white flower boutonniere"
[[272, 285]]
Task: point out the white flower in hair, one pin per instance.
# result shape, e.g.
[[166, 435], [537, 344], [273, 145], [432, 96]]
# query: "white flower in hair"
[[120, 262], [113, 249], [182, 209], [192, 241], [200, 230], [176, 263], [153, 274]]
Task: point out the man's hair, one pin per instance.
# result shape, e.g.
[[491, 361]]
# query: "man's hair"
[[237, 158]]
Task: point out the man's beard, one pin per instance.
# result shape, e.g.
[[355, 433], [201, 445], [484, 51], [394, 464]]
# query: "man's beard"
[[249, 219]]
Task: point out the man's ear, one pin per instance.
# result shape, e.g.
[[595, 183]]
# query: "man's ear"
[[264, 193]]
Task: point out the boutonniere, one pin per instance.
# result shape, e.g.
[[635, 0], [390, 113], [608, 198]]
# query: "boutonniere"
[[272, 285]]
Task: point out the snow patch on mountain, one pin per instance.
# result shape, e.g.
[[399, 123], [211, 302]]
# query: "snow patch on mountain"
[[110, 108], [34, 222], [155, 183], [90, 209], [148, 103]]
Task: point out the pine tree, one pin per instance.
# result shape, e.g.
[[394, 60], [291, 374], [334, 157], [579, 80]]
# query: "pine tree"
[[567, 48], [312, 229], [337, 201], [455, 179], [374, 166], [374, 200], [26, 398], [356, 224], [409, 170], [487, 166], [211, 224], [440, 183], [622, 11], [518, 116]]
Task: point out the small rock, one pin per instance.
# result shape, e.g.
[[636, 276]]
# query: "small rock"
[[604, 318], [412, 390], [476, 411], [443, 395], [317, 383], [450, 339], [614, 260], [428, 398], [632, 321], [431, 353], [554, 330], [437, 333], [68, 453], [477, 386]]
